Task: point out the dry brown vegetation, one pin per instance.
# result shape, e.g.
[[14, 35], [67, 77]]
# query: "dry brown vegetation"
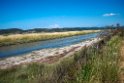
[[25, 38]]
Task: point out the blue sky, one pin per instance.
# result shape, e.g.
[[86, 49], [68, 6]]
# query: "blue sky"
[[26, 14]]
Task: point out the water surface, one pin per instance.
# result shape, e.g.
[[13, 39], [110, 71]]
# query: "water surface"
[[20, 49]]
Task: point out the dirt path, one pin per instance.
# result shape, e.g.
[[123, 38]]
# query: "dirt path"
[[122, 63]]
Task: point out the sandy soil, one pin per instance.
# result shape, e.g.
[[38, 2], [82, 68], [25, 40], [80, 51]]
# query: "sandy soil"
[[45, 55]]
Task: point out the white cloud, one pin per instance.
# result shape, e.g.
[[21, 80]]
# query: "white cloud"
[[54, 26], [110, 14]]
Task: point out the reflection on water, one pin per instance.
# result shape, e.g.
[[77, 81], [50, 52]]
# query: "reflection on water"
[[15, 50]]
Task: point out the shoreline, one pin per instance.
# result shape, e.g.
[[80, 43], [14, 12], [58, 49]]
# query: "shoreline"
[[45, 55], [35, 37]]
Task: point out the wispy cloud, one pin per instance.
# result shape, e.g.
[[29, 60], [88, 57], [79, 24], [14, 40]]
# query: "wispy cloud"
[[110, 14], [54, 26]]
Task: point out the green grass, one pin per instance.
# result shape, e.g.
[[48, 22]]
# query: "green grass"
[[89, 65], [102, 66]]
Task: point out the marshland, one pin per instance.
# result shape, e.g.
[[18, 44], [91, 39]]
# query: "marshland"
[[61, 41], [6, 40], [97, 60]]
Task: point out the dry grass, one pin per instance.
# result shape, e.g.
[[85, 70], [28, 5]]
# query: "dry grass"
[[25, 38], [122, 50], [89, 65], [121, 63]]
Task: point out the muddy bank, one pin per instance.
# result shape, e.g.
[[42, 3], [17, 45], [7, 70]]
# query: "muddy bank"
[[45, 55]]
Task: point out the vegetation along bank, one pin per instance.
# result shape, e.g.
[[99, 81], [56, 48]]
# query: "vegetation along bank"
[[6, 40], [97, 63]]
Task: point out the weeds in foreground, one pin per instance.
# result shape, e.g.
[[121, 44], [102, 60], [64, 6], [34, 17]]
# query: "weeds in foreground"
[[90, 65], [102, 66]]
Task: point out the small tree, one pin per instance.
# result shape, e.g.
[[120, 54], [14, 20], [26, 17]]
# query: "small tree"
[[118, 25]]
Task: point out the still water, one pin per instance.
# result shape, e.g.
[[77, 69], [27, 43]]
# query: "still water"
[[20, 49]]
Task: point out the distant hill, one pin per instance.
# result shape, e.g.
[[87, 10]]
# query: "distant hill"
[[12, 30], [37, 30]]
